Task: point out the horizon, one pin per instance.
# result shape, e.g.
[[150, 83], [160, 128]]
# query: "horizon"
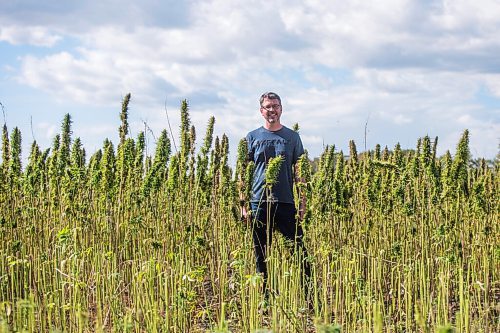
[[150, 148]]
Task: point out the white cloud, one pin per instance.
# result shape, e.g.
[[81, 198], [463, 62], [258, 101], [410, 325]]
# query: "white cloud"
[[412, 68], [463, 15], [224, 43], [492, 81], [32, 35], [69, 78], [400, 119], [311, 139]]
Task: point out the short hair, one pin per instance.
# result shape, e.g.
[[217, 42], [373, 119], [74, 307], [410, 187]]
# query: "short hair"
[[269, 95]]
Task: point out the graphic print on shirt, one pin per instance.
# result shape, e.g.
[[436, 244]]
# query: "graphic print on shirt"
[[270, 148]]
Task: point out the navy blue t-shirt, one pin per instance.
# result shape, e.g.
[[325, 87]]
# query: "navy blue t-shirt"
[[264, 145]]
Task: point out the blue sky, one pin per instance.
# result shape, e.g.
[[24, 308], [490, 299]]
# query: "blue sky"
[[407, 68]]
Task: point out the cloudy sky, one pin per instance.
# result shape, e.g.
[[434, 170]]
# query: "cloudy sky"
[[402, 68]]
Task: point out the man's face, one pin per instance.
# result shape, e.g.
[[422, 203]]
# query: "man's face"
[[271, 110]]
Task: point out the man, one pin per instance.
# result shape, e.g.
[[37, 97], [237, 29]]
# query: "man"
[[277, 203]]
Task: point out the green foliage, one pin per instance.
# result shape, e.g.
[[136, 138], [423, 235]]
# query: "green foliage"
[[124, 128], [34, 170], [5, 148], [353, 153], [202, 161], [273, 169], [173, 173], [445, 329], [304, 171], [140, 145], [65, 143], [333, 328], [94, 169], [157, 174], [249, 174], [185, 130], [242, 157], [460, 164], [107, 169], [398, 240], [15, 155]]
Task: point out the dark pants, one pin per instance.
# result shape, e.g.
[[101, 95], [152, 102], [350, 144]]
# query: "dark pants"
[[282, 217]]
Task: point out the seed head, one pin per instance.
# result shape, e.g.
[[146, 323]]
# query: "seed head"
[[273, 169]]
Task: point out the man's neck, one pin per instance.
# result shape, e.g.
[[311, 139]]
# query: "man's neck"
[[273, 127]]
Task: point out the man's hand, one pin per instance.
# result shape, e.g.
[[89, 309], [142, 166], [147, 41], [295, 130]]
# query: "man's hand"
[[245, 216]]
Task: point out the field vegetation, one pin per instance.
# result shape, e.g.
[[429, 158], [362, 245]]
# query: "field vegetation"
[[124, 241]]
